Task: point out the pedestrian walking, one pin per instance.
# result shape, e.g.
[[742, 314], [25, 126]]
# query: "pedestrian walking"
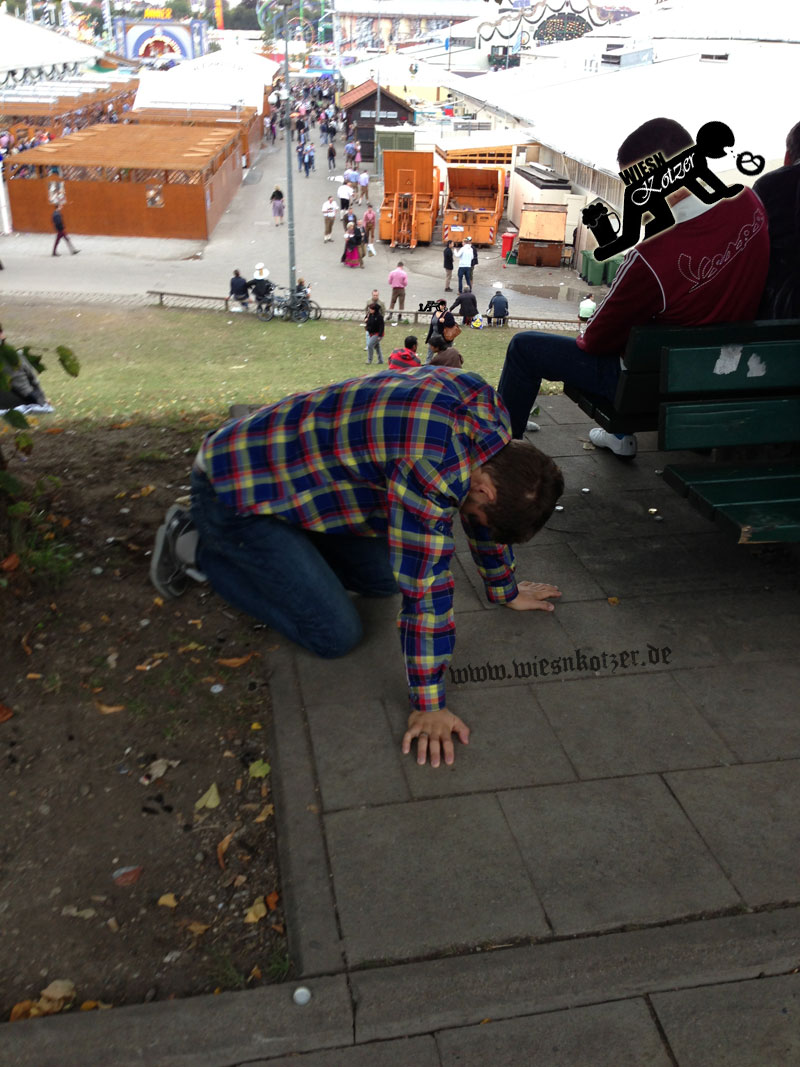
[[363, 185], [307, 159], [474, 263], [345, 193], [329, 211], [374, 325], [331, 155], [374, 299], [368, 223], [398, 280], [277, 205], [61, 233]]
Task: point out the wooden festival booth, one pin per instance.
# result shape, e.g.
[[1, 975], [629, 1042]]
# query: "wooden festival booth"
[[128, 181], [25, 116], [246, 120]]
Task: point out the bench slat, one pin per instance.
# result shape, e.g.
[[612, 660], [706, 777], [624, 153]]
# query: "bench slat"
[[755, 367], [761, 524], [756, 503], [766, 420]]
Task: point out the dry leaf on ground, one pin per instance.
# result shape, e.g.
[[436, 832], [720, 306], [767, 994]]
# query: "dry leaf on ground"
[[209, 799], [108, 709], [168, 900], [222, 848], [259, 769], [257, 911], [237, 661], [265, 813], [272, 900], [5, 713]]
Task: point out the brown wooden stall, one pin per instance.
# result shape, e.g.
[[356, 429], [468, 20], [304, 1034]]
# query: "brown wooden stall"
[[128, 181], [541, 235], [24, 118], [245, 119]]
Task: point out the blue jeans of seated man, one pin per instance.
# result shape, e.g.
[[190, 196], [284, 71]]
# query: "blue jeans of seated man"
[[532, 356], [294, 580], [464, 275]]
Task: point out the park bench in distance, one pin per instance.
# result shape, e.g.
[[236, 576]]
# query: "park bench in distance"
[[713, 389]]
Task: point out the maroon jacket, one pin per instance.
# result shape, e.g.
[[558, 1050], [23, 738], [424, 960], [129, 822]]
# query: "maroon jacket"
[[403, 359]]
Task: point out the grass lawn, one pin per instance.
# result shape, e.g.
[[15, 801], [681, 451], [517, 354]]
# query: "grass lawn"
[[155, 362]]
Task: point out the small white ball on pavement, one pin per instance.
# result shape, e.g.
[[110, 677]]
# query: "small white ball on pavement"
[[301, 995], [559, 507], [585, 490]]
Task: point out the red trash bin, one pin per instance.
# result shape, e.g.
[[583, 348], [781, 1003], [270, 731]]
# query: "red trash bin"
[[508, 242]]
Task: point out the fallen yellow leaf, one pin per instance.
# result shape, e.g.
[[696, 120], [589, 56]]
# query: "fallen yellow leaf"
[[108, 709], [268, 810], [198, 928], [237, 661], [222, 848], [191, 647], [613, 600], [257, 911], [21, 1010], [272, 900], [255, 974], [209, 799], [94, 1005], [168, 900], [158, 601]]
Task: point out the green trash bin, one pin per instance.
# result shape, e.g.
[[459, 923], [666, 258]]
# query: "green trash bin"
[[582, 273], [612, 266], [594, 270]]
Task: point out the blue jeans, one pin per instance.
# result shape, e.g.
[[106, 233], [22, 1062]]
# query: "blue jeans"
[[464, 275], [374, 348], [532, 356], [294, 580]]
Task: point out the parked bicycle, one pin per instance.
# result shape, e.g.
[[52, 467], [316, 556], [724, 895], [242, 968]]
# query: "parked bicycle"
[[296, 306]]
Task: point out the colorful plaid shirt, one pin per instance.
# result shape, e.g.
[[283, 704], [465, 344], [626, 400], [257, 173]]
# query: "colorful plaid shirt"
[[388, 455]]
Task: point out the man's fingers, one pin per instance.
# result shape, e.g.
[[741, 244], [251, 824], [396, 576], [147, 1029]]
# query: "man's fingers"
[[422, 748], [435, 750], [462, 730], [449, 752]]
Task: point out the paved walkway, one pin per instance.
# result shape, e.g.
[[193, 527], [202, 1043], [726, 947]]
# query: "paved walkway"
[[608, 876]]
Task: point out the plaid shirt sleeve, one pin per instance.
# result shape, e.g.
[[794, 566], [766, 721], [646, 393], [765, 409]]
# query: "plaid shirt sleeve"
[[421, 507], [495, 563]]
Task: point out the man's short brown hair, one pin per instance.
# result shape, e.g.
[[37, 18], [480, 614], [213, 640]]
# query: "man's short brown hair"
[[528, 485], [656, 135]]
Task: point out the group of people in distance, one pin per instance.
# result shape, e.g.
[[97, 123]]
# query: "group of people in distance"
[[355, 487]]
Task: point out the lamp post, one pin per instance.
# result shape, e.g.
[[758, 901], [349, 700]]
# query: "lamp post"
[[287, 120], [377, 120]]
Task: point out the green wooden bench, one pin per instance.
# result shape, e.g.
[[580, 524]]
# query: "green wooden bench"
[[732, 390]]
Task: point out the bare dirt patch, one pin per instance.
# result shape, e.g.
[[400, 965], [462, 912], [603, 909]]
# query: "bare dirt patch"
[[102, 680]]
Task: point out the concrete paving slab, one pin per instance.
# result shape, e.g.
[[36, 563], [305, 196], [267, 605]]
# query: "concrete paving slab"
[[648, 565], [419, 1051], [372, 671], [558, 565], [605, 1035], [418, 998], [747, 816], [511, 746], [614, 852], [209, 1031], [414, 879], [562, 410], [635, 725], [314, 942], [606, 513], [753, 706], [356, 755], [644, 633], [745, 1024], [505, 647], [594, 469]]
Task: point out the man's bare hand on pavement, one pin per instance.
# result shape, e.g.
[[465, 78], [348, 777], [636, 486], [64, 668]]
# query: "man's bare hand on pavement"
[[433, 730], [533, 596]]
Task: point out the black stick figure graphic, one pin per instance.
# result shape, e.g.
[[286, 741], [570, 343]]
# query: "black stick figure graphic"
[[650, 182]]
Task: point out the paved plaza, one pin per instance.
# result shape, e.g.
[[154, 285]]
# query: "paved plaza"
[[609, 874]]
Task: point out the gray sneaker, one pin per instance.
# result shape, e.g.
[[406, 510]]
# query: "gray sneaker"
[[167, 572]]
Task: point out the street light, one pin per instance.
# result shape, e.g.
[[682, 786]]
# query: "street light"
[[287, 122]]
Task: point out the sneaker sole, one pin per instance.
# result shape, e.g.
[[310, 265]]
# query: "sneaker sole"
[[167, 586]]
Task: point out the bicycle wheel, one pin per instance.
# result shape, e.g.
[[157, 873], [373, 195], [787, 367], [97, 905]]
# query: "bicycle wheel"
[[314, 309], [265, 312], [301, 313]]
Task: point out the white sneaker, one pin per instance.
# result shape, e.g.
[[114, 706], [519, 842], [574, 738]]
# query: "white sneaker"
[[532, 426], [621, 446]]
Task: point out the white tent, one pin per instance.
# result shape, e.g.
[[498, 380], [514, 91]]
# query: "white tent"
[[225, 79], [26, 46]]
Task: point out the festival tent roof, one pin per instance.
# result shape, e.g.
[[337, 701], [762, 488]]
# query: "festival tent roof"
[[133, 147], [588, 117], [26, 46], [216, 85]]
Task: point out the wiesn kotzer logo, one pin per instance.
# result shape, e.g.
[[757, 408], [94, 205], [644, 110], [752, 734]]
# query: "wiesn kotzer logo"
[[577, 663]]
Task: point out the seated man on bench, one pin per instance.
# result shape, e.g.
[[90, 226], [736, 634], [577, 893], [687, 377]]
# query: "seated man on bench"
[[709, 267]]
